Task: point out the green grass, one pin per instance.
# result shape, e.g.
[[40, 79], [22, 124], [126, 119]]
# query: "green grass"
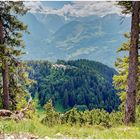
[[66, 131], [59, 107]]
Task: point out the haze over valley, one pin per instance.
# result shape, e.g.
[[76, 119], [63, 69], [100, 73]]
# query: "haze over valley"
[[54, 36]]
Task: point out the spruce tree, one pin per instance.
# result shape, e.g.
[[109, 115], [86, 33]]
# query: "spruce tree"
[[11, 48], [120, 80], [130, 107]]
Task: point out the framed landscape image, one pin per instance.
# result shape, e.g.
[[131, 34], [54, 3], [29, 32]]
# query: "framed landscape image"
[[69, 70]]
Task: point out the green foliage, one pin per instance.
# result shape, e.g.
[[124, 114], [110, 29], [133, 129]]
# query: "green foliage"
[[69, 132], [82, 84], [71, 117], [116, 118], [51, 118], [120, 79], [82, 118], [126, 6], [81, 107], [93, 117], [11, 49]]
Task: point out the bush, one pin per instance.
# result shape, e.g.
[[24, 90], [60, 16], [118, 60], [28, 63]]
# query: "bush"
[[71, 117], [93, 117], [81, 107], [76, 117], [99, 117], [116, 118], [52, 117]]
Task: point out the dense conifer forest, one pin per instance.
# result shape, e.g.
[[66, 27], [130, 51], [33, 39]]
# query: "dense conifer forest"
[[83, 84]]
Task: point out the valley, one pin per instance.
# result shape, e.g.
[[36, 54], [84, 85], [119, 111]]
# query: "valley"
[[95, 38]]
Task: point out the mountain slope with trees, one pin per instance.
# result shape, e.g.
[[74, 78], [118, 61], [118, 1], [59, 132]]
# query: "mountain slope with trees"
[[82, 84]]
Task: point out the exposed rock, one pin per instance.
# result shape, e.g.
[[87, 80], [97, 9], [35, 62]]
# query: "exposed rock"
[[46, 138], [22, 136], [6, 113], [59, 135]]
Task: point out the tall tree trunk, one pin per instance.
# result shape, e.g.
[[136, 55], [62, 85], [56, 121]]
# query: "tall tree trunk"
[[5, 76], [130, 108], [5, 85]]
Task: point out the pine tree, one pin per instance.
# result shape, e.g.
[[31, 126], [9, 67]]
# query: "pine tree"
[[120, 80], [66, 99], [11, 48], [52, 117], [130, 107]]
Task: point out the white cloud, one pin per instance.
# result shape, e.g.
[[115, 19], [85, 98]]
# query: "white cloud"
[[81, 51], [37, 6], [77, 8], [100, 8]]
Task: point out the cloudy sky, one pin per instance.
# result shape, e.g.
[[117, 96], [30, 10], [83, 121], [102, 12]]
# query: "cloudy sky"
[[74, 8]]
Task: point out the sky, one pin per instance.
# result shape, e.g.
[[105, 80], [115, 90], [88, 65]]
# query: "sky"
[[74, 8]]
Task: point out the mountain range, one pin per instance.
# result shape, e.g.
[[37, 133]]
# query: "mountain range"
[[54, 37]]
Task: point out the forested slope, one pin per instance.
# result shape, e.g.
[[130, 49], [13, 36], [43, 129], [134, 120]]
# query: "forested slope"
[[81, 83]]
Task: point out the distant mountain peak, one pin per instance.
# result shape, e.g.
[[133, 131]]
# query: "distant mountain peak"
[[92, 37]]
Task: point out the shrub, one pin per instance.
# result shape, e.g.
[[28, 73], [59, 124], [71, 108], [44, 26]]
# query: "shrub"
[[52, 117], [116, 118], [71, 117], [76, 117]]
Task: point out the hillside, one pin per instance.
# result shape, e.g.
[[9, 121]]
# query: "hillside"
[[82, 84]]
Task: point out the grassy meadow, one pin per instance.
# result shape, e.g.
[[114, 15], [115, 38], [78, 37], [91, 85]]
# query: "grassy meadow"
[[66, 131]]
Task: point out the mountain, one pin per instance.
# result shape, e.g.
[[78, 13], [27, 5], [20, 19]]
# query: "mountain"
[[82, 84], [96, 38], [52, 21]]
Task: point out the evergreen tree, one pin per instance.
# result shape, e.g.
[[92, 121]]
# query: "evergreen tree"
[[120, 80], [130, 107], [14, 78], [66, 99], [51, 118]]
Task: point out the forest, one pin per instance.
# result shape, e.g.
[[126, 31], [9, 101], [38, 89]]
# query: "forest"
[[68, 98], [82, 84]]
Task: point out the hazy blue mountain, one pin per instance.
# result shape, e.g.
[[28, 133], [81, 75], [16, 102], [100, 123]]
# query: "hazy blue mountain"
[[51, 21], [95, 38]]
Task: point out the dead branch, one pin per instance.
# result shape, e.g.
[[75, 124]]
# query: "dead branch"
[[17, 115]]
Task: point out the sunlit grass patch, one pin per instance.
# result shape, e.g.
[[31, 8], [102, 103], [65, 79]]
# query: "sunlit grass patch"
[[67, 131]]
